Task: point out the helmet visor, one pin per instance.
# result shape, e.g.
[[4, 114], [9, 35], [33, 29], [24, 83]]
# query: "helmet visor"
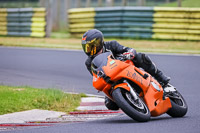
[[91, 47]]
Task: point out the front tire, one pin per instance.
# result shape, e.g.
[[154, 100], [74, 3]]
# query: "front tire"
[[136, 109], [179, 106]]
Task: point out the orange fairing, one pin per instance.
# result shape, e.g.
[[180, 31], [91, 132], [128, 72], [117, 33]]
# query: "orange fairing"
[[99, 83], [154, 100], [117, 70], [114, 67], [122, 85]]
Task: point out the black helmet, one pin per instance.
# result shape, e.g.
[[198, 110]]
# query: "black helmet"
[[92, 42]]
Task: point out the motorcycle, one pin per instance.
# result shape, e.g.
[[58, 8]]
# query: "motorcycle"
[[135, 91]]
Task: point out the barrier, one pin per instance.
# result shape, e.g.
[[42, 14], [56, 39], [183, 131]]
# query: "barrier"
[[177, 23], [23, 22], [137, 22]]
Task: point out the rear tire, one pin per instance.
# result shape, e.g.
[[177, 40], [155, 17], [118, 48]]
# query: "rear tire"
[[179, 106], [137, 110]]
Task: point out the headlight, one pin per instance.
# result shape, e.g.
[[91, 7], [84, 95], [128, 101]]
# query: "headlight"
[[155, 86]]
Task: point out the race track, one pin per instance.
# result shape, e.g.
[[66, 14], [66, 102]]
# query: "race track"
[[66, 70]]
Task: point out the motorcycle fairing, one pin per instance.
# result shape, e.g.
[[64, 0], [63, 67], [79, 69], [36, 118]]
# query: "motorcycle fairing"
[[154, 99], [114, 70]]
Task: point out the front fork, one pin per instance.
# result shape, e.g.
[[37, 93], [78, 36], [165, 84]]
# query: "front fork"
[[131, 90], [125, 85]]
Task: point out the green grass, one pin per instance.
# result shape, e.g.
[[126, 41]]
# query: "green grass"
[[155, 46], [185, 3], [15, 99], [61, 34]]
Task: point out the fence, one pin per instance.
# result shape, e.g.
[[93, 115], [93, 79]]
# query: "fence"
[[177, 23], [138, 22], [23, 22], [58, 7]]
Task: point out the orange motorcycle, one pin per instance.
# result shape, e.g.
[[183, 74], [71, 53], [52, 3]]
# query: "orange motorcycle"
[[135, 91]]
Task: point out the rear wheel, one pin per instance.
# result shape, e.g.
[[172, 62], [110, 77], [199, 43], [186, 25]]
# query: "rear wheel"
[[179, 106], [136, 109]]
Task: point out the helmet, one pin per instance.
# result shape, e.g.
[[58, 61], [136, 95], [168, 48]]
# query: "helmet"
[[92, 42]]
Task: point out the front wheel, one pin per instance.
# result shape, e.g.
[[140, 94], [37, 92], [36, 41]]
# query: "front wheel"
[[136, 109], [179, 106]]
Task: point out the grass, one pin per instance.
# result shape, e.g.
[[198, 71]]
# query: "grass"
[[15, 99], [155, 46], [185, 3], [60, 34]]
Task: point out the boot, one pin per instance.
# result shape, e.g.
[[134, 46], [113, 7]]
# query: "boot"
[[110, 104], [162, 79]]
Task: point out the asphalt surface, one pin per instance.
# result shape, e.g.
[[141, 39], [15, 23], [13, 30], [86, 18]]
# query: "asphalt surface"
[[45, 68], [65, 70]]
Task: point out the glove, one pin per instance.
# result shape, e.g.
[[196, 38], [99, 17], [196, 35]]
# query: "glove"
[[129, 55]]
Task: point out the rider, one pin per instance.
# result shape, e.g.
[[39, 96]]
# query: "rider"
[[93, 44]]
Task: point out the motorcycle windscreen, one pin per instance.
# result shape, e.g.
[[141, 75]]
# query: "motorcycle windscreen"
[[99, 61]]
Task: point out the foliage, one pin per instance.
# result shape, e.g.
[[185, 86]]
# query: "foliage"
[[14, 99]]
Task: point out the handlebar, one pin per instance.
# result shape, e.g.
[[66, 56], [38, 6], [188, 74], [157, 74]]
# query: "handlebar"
[[121, 57]]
